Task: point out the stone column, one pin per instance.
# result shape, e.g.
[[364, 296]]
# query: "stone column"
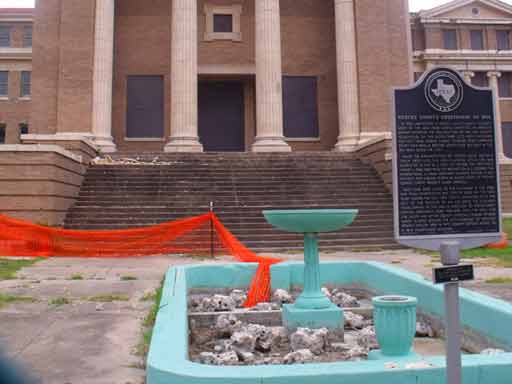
[[269, 92], [468, 75], [184, 131], [493, 83], [103, 75], [348, 87]]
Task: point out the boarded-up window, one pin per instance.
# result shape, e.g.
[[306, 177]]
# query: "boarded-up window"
[[450, 38], [145, 107], [4, 83], [506, 129], [2, 133], [477, 40], [504, 84], [222, 23], [27, 36], [480, 79], [503, 40], [26, 83], [300, 107], [5, 36]]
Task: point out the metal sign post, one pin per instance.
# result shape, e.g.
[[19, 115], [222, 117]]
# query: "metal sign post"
[[450, 255], [446, 181]]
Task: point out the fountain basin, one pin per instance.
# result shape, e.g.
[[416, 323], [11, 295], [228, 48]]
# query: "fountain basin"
[[311, 220], [168, 356]]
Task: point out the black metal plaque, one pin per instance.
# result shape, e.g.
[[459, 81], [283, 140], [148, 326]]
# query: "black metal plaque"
[[454, 274], [445, 162]]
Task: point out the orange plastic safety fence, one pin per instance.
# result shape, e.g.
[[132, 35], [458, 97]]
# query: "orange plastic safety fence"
[[202, 235]]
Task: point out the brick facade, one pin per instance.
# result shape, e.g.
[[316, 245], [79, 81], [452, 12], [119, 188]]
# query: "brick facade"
[[64, 52]]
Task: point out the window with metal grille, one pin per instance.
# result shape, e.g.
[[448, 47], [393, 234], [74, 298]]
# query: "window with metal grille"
[[27, 36], [450, 39], [23, 128], [477, 40], [300, 107], [502, 40], [506, 128], [26, 80], [222, 23], [5, 36], [480, 79], [4, 83], [2, 133], [504, 84]]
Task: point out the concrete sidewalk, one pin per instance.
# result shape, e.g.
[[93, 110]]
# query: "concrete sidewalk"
[[93, 342]]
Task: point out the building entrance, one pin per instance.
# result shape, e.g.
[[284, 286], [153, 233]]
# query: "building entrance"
[[221, 116]]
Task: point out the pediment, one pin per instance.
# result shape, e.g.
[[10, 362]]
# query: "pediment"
[[464, 9]]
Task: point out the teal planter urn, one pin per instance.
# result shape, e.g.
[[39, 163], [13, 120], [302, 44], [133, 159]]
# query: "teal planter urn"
[[395, 325]]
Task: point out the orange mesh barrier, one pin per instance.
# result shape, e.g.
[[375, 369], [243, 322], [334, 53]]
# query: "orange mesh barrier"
[[202, 235], [503, 244]]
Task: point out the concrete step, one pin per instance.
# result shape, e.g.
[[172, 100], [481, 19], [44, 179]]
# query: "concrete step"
[[241, 186]]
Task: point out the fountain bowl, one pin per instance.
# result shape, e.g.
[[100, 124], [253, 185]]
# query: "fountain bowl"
[[311, 220]]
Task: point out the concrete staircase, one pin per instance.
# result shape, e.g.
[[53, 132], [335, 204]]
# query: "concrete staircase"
[[240, 185]]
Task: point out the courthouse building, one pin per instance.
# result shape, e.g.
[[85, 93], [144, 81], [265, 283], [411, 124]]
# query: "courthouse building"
[[132, 76], [217, 75]]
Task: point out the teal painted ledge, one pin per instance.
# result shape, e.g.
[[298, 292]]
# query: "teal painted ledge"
[[168, 356]]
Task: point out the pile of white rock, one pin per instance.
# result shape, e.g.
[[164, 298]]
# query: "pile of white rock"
[[237, 297], [218, 303], [253, 344]]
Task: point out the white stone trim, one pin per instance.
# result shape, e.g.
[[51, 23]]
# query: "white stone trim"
[[465, 21], [303, 139], [453, 5], [15, 66], [145, 139], [16, 18], [226, 69], [64, 136], [41, 148], [15, 53], [374, 140], [234, 10]]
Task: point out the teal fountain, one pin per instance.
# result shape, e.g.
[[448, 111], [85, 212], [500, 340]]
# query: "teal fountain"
[[312, 309]]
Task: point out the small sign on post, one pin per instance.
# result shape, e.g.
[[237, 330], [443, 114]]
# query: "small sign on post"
[[446, 181]]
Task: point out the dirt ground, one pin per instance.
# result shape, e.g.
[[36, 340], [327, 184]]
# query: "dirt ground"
[[84, 322]]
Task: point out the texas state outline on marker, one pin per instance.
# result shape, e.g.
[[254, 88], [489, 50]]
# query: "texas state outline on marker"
[[446, 91]]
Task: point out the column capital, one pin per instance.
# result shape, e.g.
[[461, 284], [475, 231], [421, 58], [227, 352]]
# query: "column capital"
[[495, 74], [469, 74]]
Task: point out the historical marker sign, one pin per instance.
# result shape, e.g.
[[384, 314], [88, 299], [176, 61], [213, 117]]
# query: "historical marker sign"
[[445, 163]]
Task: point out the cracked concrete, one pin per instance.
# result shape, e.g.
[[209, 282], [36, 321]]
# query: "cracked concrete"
[[93, 343]]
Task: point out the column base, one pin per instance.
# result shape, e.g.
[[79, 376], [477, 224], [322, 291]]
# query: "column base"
[[271, 144], [331, 318], [183, 144], [347, 144], [105, 144]]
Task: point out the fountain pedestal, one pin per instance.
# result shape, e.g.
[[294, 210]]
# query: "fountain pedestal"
[[312, 308]]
